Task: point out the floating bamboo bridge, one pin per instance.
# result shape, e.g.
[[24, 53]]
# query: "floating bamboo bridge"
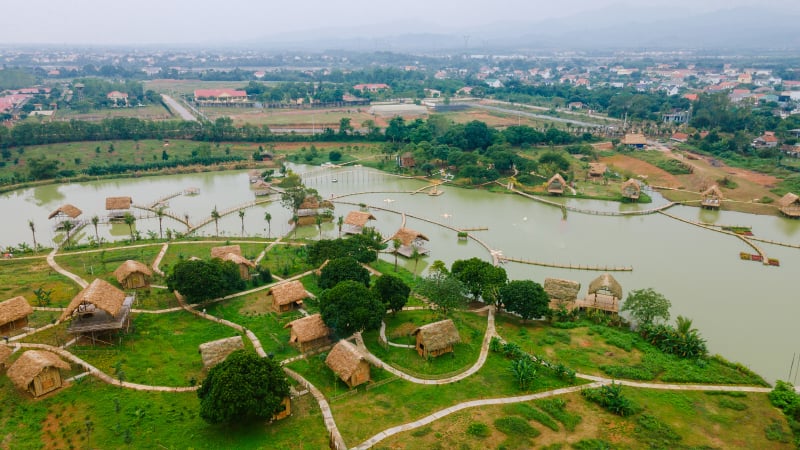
[[568, 266]]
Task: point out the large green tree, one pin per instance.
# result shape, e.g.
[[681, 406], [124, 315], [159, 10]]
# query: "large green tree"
[[199, 280], [646, 306], [392, 291], [349, 307], [526, 298], [482, 279], [445, 292], [243, 386], [342, 269]]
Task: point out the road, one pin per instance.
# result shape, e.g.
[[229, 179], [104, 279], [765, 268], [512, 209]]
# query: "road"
[[177, 107], [536, 116]]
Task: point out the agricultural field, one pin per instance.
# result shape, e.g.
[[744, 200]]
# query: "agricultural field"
[[150, 112], [170, 87], [286, 120]]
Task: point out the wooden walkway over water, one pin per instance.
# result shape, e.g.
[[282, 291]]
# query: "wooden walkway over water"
[[568, 266]]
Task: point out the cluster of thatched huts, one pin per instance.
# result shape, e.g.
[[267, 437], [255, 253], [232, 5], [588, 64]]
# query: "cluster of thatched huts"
[[604, 294]]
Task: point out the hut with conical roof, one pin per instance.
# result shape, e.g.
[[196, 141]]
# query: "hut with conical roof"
[[436, 338], [604, 294], [410, 240], [556, 185], [355, 221], [117, 207], [288, 296], [348, 363], [133, 275], [789, 205], [631, 190], [309, 333], [98, 310], [37, 372], [14, 314], [712, 198]]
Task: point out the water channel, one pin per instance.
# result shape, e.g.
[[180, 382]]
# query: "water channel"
[[746, 310]]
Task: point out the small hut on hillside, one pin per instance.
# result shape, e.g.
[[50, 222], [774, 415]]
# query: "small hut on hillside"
[[98, 310], [631, 190], [355, 221], [133, 275], [215, 352], [556, 184], [221, 251], [117, 207], [789, 205], [634, 140], [604, 294], [410, 240], [712, 198], [436, 338], [5, 352], [14, 314], [65, 213], [37, 372], [288, 296], [313, 205], [233, 253], [309, 333], [597, 170], [562, 293], [348, 363]]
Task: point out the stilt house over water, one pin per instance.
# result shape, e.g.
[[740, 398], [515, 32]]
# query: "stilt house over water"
[[789, 205], [712, 198], [630, 190], [409, 240], [355, 221], [65, 213], [604, 294], [117, 207], [556, 185]]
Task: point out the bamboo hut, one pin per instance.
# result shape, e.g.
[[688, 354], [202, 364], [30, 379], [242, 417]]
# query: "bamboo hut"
[[597, 170], [556, 185], [5, 352], [233, 253], [562, 293], [65, 213], [355, 221], [789, 205], [634, 140], [117, 207], [712, 198], [436, 338], [410, 240], [604, 294], [215, 352], [99, 309], [37, 372], [133, 275], [14, 314], [348, 363], [220, 252], [288, 296], [309, 333], [313, 205], [631, 190]]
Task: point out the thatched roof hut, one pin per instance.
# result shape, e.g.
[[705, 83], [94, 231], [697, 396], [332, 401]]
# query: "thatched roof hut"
[[14, 314], [36, 371], [221, 251], [605, 283], [630, 189], [235, 256], [287, 296], [5, 352], [100, 307], [604, 294], [410, 239], [118, 203], [597, 169], [561, 292], [66, 211], [636, 140], [556, 184], [346, 361], [133, 274], [436, 338], [309, 333], [355, 221], [215, 352], [712, 197], [312, 205], [789, 205]]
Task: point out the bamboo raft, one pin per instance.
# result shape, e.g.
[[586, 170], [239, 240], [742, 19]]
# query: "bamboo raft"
[[568, 266]]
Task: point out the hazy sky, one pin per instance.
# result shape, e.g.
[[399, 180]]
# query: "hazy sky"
[[100, 22]]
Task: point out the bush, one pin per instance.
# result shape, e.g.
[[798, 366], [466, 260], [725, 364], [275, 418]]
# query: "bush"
[[515, 426], [732, 404], [480, 430], [610, 398], [776, 433], [557, 408], [529, 412], [592, 444], [655, 433]]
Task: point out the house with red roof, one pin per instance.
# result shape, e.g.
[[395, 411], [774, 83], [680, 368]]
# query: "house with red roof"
[[221, 97], [691, 97], [679, 137], [766, 140]]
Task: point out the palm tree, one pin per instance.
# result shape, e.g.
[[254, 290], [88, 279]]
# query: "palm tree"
[[160, 214], [215, 215], [95, 221], [68, 226], [396, 243], [684, 326], [241, 216], [129, 220], [340, 222], [318, 221], [268, 218], [295, 219], [33, 232], [415, 255]]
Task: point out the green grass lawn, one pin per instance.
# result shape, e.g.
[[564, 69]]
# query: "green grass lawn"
[[23, 276]]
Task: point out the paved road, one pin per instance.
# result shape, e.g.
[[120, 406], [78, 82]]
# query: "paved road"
[[178, 108]]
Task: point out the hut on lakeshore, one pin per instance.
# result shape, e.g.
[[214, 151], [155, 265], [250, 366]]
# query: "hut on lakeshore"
[[604, 294], [65, 213], [98, 310], [712, 198], [355, 221], [215, 352], [233, 253], [597, 170], [562, 293], [117, 207], [14, 314], [288, 296], [410, 240], [133, 275], [436, 338], [631, 190], [37, 372], [789, 205], [309, 333], [5, 352], [348, 363], [313, 205], [556, 184]]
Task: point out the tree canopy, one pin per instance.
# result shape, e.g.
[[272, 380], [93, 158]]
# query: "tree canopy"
[[199, 280], [481, 278], [392, 291], [342, 269], [526, 298], [446, 292], [646, 306], [243, 386], [361, 247], [349, 307]]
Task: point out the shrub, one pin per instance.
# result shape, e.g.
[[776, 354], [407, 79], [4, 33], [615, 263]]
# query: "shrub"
[[776, 433], [529, 412], [515, 426], [610, 398], [592, 444], [655, 433], [732, 404], [480, 430], [557, 409]]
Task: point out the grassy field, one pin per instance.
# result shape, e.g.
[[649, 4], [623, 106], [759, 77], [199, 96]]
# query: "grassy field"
[[296, 118], [22, 276], [170, 87], [150, 112]]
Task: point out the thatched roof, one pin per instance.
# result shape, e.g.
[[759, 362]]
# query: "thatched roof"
[[438, 335], [67, 210], [5, 352], [32, 363], [215, 352], [787, 200], [630, 188], [238, 259], [407, 236], [557, 178], [308, 328], [634, 139], [561, 290], [14, 309], [99, 293], [286, 293], [315, 202], [713, 191], [607, 283], [344, 358], [130, 266], [358, 218], [220, 252], [597, 169], [113, 203]]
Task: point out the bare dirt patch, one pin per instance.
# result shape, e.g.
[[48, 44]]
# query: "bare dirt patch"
[[644, 170], [55, 434]]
